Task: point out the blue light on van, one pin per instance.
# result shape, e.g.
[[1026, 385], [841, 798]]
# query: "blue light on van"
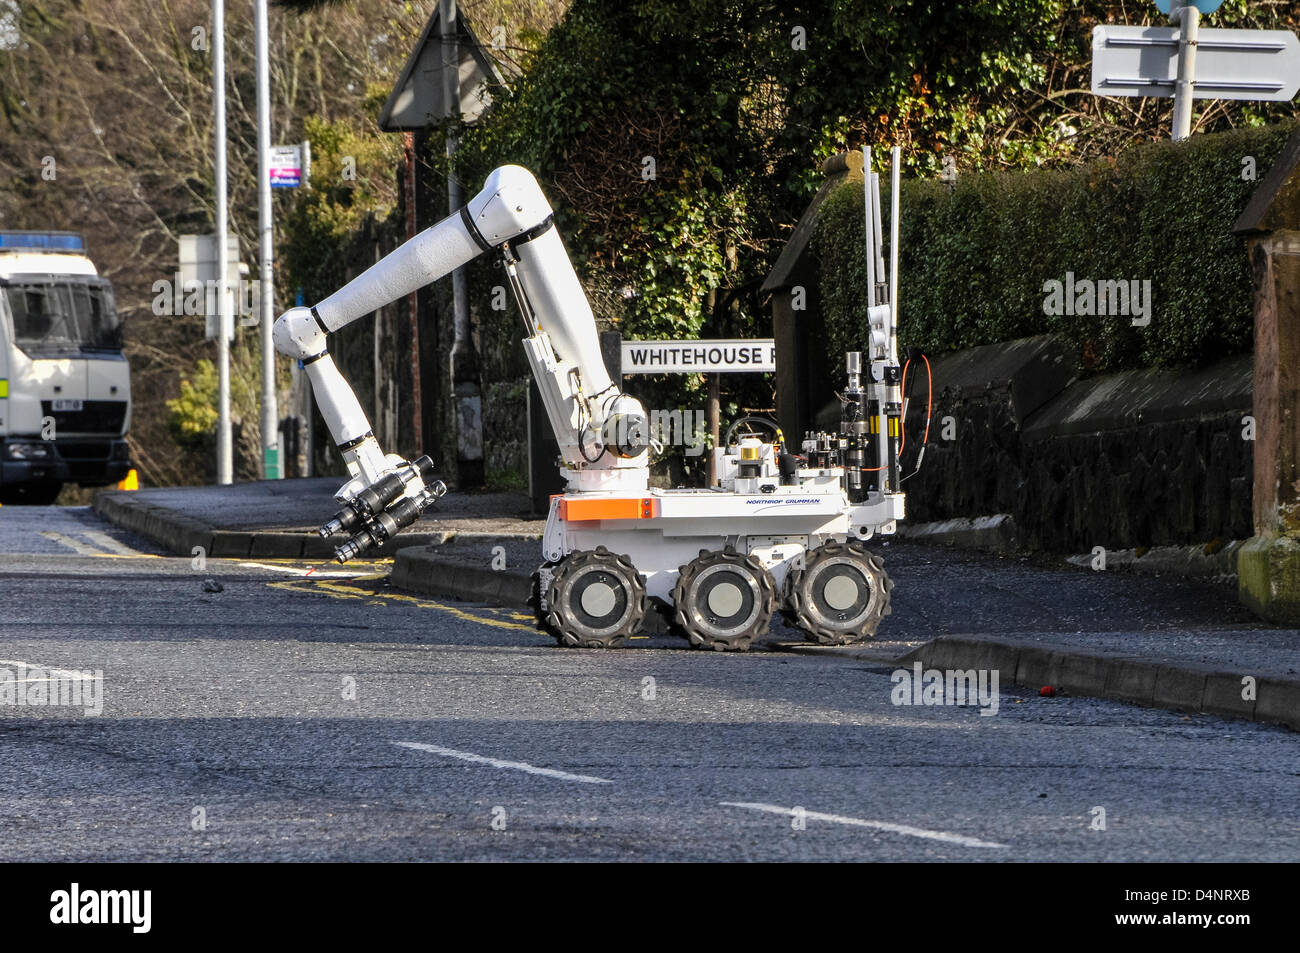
[[43, 241]]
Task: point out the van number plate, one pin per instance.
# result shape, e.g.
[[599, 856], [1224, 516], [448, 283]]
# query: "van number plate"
[[66, 405]]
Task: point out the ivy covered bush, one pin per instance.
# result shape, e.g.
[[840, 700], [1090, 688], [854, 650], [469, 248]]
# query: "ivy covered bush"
[[977, 254], [351, 182]]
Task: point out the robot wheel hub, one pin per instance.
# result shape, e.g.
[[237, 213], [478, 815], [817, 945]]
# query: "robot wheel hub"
[[840, 592], [599, 598], [726, 598]]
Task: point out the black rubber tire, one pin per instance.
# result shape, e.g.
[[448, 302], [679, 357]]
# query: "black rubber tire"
[[818, 622], [542, 575], [570, 624], [30, 494], [701, 625]]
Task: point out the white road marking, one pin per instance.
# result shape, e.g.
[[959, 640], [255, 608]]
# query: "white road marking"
[[108, 542], [498, 763], [66, 673], [944, 836], [80, 548]]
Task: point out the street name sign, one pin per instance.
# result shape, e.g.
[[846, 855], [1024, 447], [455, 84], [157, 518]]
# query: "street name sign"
[[756, 355]]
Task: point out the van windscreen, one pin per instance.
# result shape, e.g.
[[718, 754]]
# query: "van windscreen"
[[58, 315]]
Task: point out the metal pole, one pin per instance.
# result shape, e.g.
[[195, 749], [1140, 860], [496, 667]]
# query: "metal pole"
[[1189, 19], [270, 412], [868, 225], [225, 322], [879, 232], [895, 174], [895, 390]]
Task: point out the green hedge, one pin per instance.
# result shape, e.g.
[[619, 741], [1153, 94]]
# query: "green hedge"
[[976, 255]]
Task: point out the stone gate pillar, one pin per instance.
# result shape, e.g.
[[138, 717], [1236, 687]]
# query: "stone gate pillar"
[[1268, 566]]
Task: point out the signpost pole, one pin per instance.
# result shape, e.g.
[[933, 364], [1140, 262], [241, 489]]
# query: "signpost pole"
[[1188, 19], [270, 412], [225, 471]]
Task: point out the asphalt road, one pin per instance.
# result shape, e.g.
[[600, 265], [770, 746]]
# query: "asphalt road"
[[324, 717]]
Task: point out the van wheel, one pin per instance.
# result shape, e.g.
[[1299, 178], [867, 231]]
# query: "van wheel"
[[30, 494]]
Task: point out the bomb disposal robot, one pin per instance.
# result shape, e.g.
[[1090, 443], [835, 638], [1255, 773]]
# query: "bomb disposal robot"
[[781, 529]]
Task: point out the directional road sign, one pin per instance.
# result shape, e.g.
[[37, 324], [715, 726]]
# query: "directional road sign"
[[1262, 65]]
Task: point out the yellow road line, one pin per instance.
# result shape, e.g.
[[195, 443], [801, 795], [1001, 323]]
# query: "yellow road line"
[[338, 590], [80, 548], [85, 549], [108, 543]]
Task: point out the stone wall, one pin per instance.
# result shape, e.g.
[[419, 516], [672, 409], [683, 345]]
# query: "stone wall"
[[505, 432], [1140, 458]]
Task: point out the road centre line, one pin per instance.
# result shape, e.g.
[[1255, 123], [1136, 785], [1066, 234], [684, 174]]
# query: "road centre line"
[[57, 672], [346, 592], [498, 763], [944, 836]]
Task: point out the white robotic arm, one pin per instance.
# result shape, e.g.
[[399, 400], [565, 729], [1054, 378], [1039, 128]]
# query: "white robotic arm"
[[601, 431]]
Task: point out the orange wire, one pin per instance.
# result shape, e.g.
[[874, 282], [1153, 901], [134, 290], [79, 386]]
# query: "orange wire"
[[929, 398], [929, 408]]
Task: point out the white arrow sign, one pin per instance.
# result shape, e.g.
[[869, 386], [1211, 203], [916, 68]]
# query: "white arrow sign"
[[1262, 65]]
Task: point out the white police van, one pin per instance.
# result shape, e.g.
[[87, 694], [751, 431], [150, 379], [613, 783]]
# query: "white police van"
[[65, 386]]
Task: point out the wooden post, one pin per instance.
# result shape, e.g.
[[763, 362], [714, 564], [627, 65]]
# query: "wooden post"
[[413, 307]]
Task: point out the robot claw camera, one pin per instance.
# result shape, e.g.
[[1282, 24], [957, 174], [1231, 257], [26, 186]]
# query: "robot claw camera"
[[782, 529]]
